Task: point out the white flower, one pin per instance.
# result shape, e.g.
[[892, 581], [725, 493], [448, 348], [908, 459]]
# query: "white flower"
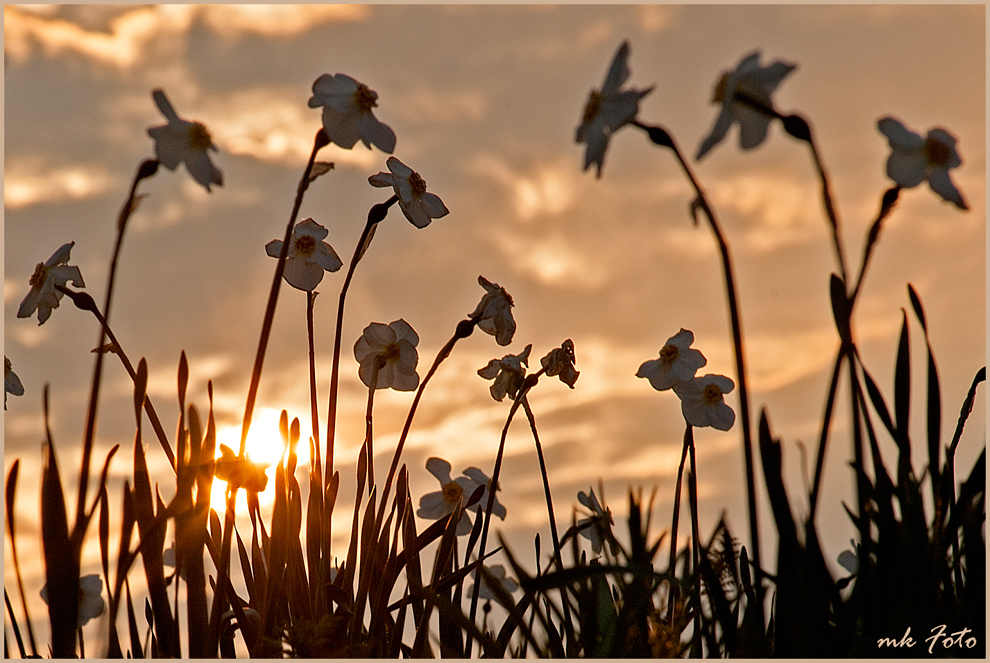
[[508, 373], [914, 159], [608, 110], [308, 255], [560, 361], [11, 383], [419, 206], [494, 312], [678, 362], [600, 520], [43, 295], [702, 401], [91, 603], [745, 98], [347, 114], [184, 141], [482, 479], [498, 578], [393, 348], [442, 503]]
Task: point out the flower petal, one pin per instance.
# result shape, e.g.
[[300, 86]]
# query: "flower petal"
[[375, 132], [439, 468], [898, 135], [200, 166], [941, 183], [340, 128], [302, 275], [753, 126], [906, 168], [165, 106], [274, 248], [618, 71], [717, 133], [433, 206], [327, 258], [382, 179]]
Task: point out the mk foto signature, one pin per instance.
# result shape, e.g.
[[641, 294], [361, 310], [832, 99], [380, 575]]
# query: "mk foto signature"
[[960, 639]]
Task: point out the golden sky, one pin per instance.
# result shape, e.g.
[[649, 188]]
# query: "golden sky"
[[485, 101]]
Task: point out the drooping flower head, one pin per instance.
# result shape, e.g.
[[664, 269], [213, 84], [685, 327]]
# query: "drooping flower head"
[[745, 98], [419, 205], [44, 296], [508, 373], [497, 578], [678, 362], [11, 383], [914, 159], [442, 503], [494, 312], [608, 110], [393, 348], [309, 256], [347, 114], [702, 401], [91, 603], [186, 142], [560, 361], [600, 522], [241, 471]]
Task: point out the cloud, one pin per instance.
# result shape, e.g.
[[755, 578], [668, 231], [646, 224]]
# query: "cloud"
[[423, 105], [549, 189], [29, 182], [278, 20], [122, 47]]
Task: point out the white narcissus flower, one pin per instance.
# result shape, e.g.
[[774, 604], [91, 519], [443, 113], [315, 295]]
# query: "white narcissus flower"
[[745, 98], [914, 159], [309, 256], [498, 578], [44, 296], [442, 503], [482, 479], [702, 401], [347, 114], [608, 110], [678, 362], [186, 142], [560, 361], [494, 312], [419, 205], [11, 383], [91, 603], [600, 520], [393, 348], [508, 373]]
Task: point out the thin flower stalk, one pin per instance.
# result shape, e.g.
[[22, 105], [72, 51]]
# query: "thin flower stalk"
[[319, 142], [568, 627], [695, 537], [147, 169], [663, 138], [368, 428], [314, 407], [528, 384], [375, 215]]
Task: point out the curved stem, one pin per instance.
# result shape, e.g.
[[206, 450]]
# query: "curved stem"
[[568, 627], [672, 566], [368, 430], [375, 215], [320, 141], [833, 216], [702, 203], [147, 168]]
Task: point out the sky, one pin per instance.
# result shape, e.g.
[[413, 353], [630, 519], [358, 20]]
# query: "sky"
[[485, 101]]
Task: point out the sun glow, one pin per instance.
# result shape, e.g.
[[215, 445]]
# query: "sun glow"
[[264, 445]]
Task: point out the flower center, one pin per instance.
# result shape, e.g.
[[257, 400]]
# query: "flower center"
[[936, 153], [391, 352], [365, 98], [38, 276], [593, 106], [199, 137], [417, 183], [712, 395], [305, 244], [720, 87], [452, 492], [669, 353]]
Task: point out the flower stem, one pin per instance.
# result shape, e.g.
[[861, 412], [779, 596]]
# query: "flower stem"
[[696, 542], [314, 407], [147, 168], [464, 329], [528, 384], [86, 303], [368, 430], [672, 570], [568, 627], [701, 202], [375, 215]]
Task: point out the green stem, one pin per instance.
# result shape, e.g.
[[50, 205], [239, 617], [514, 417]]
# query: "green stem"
[[663, 138], [314, 407], [375, 215]]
